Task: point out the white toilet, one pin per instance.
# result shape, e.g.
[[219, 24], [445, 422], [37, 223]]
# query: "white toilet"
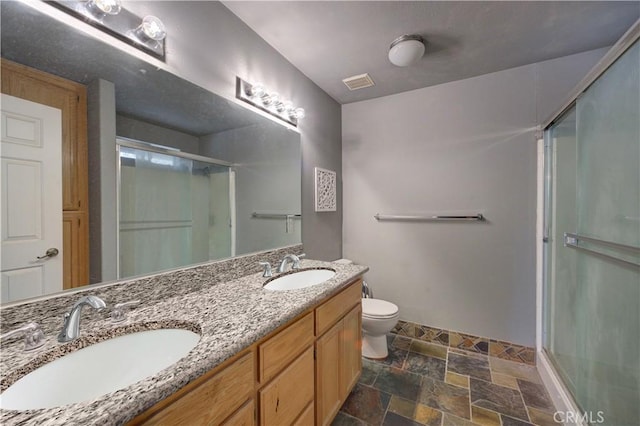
[[378, 318]]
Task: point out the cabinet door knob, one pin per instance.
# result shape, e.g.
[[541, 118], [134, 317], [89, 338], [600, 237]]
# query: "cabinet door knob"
[[52, 252]]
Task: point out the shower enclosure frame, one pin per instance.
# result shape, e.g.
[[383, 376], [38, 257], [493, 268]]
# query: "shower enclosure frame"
[[149, 147], [561, 396]]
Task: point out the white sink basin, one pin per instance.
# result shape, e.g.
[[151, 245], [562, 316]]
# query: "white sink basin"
[[99, 369], [301, 279]]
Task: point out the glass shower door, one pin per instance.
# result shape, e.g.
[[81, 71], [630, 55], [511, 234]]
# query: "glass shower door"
[[174, 211], [592, 290]]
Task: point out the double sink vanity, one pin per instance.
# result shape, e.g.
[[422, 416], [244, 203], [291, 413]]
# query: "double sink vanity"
[[212, 344]]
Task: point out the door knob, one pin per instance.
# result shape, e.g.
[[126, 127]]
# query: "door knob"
[[52, 252]]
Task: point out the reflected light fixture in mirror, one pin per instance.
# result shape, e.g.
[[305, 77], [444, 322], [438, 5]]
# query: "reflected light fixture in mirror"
[[146, 34], [151, 28], [99, 8], [257, 95]]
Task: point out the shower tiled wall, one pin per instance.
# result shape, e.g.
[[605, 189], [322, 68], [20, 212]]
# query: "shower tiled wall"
[[483, 345]]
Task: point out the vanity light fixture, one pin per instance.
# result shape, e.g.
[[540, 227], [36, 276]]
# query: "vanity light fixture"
[[99, 8], [406, 49], [146, 34], [257, 95], [151, 28]]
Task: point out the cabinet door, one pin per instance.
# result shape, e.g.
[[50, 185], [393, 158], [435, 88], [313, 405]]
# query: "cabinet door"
[[351, 360], [328, 386], [286, 396], [245, 416]]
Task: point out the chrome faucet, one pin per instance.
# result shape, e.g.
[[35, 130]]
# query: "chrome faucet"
[[290, 258], [71, 327]]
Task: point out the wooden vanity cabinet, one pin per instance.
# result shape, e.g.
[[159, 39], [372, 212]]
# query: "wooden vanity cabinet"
[[298, 375], [223, 394], [338, 357]]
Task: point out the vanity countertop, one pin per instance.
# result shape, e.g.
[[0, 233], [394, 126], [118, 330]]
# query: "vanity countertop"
[[230, 316]]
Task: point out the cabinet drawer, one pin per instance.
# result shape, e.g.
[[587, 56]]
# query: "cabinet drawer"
[[212, 401], [330, 312], [278, 352], [285, 398], [243, 417]]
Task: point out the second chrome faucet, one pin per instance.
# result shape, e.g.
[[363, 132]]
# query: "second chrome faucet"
[[71, 327]]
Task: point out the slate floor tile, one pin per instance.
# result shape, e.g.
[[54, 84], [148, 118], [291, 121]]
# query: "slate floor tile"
[[541, 418], [398, 382], [457, 379], [402, 342], [535, 395], [430, 349], [395, 358], [445, 397], [392, 419], [367, 404], [497, 398], [485, 417], [426, 384], [415, 411], [510, 421], [450, 420], [469, 365], [370, 370], [343, 419], [425, 365], [515, 369]]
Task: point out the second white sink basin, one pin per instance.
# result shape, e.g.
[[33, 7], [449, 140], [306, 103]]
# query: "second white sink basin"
[[301, 279], [99, 369]]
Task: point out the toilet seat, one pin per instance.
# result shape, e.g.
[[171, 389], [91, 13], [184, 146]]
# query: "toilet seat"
[[376, 308]]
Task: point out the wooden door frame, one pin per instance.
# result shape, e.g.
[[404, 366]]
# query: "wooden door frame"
[[41, 87]]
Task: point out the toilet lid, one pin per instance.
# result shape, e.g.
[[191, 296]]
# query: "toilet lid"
[[378, 308]]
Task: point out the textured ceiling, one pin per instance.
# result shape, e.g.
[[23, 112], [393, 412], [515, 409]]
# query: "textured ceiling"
[[332, 40], [142, 91]]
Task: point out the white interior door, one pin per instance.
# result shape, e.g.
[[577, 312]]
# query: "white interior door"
[[31, 201]]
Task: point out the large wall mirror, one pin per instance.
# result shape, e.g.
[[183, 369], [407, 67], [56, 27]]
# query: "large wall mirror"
[[177, 175]]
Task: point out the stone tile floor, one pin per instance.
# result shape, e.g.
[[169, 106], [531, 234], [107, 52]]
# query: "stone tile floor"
[[422, 383]]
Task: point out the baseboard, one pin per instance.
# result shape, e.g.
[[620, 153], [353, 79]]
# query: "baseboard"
[[562, 400]]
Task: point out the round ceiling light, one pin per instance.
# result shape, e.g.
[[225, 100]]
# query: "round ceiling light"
[[405, 50]]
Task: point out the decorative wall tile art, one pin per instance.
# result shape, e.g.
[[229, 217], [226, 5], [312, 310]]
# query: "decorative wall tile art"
[[325, 190]]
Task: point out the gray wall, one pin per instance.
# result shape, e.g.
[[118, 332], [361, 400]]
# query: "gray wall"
[[103, 163], [266, 161], [210, 46], [133, 128], [466, 146]]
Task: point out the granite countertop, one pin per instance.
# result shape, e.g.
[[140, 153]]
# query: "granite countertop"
[[229, 315]]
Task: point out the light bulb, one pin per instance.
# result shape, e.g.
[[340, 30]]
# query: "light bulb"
[[275, 98], [257, 90], [104, 7], [298, 113], [271, 99], [287, 106], [152, 28]]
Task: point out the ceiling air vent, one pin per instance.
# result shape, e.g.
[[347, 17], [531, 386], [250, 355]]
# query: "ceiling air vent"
[[358, 81]]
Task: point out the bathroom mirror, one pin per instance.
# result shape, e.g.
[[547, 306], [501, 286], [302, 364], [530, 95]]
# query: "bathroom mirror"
[[234, 176]]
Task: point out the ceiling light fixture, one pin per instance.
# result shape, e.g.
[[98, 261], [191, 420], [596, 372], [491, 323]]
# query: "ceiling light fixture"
[[258, 96], [406, 49]]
